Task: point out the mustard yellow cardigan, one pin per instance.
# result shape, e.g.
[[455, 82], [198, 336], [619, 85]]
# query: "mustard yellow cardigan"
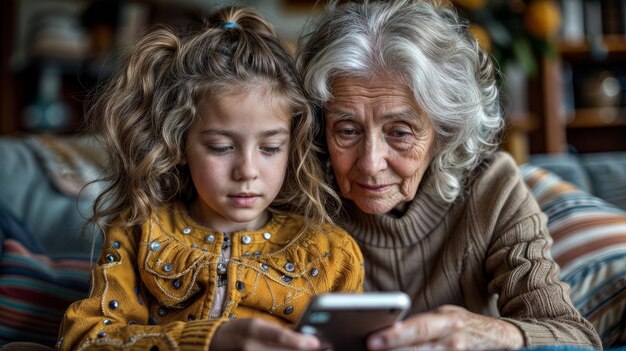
[[155, 285]]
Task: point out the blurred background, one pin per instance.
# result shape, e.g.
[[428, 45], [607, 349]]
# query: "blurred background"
[[562, 63]]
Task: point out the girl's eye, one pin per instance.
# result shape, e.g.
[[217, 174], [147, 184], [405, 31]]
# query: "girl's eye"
[[219, 150], [270, 150]]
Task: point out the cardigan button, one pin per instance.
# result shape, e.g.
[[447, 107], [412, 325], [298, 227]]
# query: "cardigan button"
[[113, 304], [187, 231], [210, 238], [162, 311], [177, 284], [110, 258], [102, 334], [289, 267], [287, 279], [246, 239], [267, 235], [226, 243], [153, 320], [107, 322], [155, 246], [221, 268], [168, 267], [288, 310], [116, 244], [240, 286], [314, 272]]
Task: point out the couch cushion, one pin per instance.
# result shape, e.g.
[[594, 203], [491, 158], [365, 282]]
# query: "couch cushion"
[[566, 166], [35, 291], [28, 191], [590, 247], [607, 174]]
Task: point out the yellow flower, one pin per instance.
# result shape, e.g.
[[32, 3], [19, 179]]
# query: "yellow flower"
[[481, 35], [471, 4]]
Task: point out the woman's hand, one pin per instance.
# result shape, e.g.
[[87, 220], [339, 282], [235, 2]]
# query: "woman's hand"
[[449, 328], [257, 334]]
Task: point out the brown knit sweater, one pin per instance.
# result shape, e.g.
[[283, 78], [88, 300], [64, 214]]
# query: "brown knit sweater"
[[488, 252]]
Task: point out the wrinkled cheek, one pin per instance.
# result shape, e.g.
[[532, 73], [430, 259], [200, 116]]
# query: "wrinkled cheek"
[[344, 184], [340, 165], [409, 187]]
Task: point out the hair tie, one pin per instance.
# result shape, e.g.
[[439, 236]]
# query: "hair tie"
[[229, 25]]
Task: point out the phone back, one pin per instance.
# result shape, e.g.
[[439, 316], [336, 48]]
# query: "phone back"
[[346, 320]]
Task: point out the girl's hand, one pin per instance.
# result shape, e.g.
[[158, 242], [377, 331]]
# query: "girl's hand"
[[257, 334], [449, 328]]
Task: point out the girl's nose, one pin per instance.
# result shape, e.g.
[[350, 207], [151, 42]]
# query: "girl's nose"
[[246, 169]]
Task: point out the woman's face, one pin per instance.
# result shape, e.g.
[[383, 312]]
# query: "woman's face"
[[380, 142]]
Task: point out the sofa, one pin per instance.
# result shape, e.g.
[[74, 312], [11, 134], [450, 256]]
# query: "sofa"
[[47, 189]]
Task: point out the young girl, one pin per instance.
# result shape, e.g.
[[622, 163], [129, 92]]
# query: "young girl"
[[210, 140]]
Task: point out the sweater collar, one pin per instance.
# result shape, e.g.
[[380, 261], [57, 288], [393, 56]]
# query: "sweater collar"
[[388, 230]]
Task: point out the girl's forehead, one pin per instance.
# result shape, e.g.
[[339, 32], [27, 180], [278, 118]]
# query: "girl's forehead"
[[243, 109]]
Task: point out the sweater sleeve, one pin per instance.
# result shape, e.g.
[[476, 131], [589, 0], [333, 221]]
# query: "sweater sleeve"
[[115, 316], [526, 278]]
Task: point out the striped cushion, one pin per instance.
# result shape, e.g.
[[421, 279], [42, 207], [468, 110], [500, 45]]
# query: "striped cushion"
[[35, 291], [590, 247]]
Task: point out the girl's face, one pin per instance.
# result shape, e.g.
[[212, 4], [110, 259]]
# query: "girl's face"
[[237, 152]]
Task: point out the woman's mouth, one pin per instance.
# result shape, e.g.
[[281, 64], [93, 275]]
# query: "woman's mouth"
[[374, 188]]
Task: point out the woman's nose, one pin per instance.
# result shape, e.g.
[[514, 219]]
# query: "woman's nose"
[[246, 168], [372, 156]]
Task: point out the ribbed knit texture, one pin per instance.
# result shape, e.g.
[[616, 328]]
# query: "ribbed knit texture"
[[488, 252]]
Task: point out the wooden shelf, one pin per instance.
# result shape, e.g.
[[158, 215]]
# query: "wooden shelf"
[[598, 118], [612, 43], [521, 122]]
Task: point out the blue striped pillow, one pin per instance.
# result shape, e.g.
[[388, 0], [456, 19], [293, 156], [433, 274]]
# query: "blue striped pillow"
[[35, 291], [590, 247]]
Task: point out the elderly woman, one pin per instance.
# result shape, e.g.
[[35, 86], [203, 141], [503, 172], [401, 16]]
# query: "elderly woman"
[[411, 117]]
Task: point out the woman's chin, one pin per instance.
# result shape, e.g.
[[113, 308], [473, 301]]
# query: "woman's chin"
[[378, 206]]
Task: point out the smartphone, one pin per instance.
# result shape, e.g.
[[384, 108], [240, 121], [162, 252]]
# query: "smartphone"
[[344, 321]]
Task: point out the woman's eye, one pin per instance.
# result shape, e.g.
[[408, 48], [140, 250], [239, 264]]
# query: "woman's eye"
[[400, 133], [347, 132]]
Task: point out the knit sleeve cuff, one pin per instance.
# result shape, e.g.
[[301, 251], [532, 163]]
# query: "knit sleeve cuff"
[[538, 333], [197, 335]]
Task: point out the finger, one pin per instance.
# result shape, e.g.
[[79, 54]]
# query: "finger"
[[416, 330], [256, 345], [278, 336]]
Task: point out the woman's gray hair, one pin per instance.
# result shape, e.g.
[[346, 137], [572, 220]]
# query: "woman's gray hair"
[[428, 47]]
